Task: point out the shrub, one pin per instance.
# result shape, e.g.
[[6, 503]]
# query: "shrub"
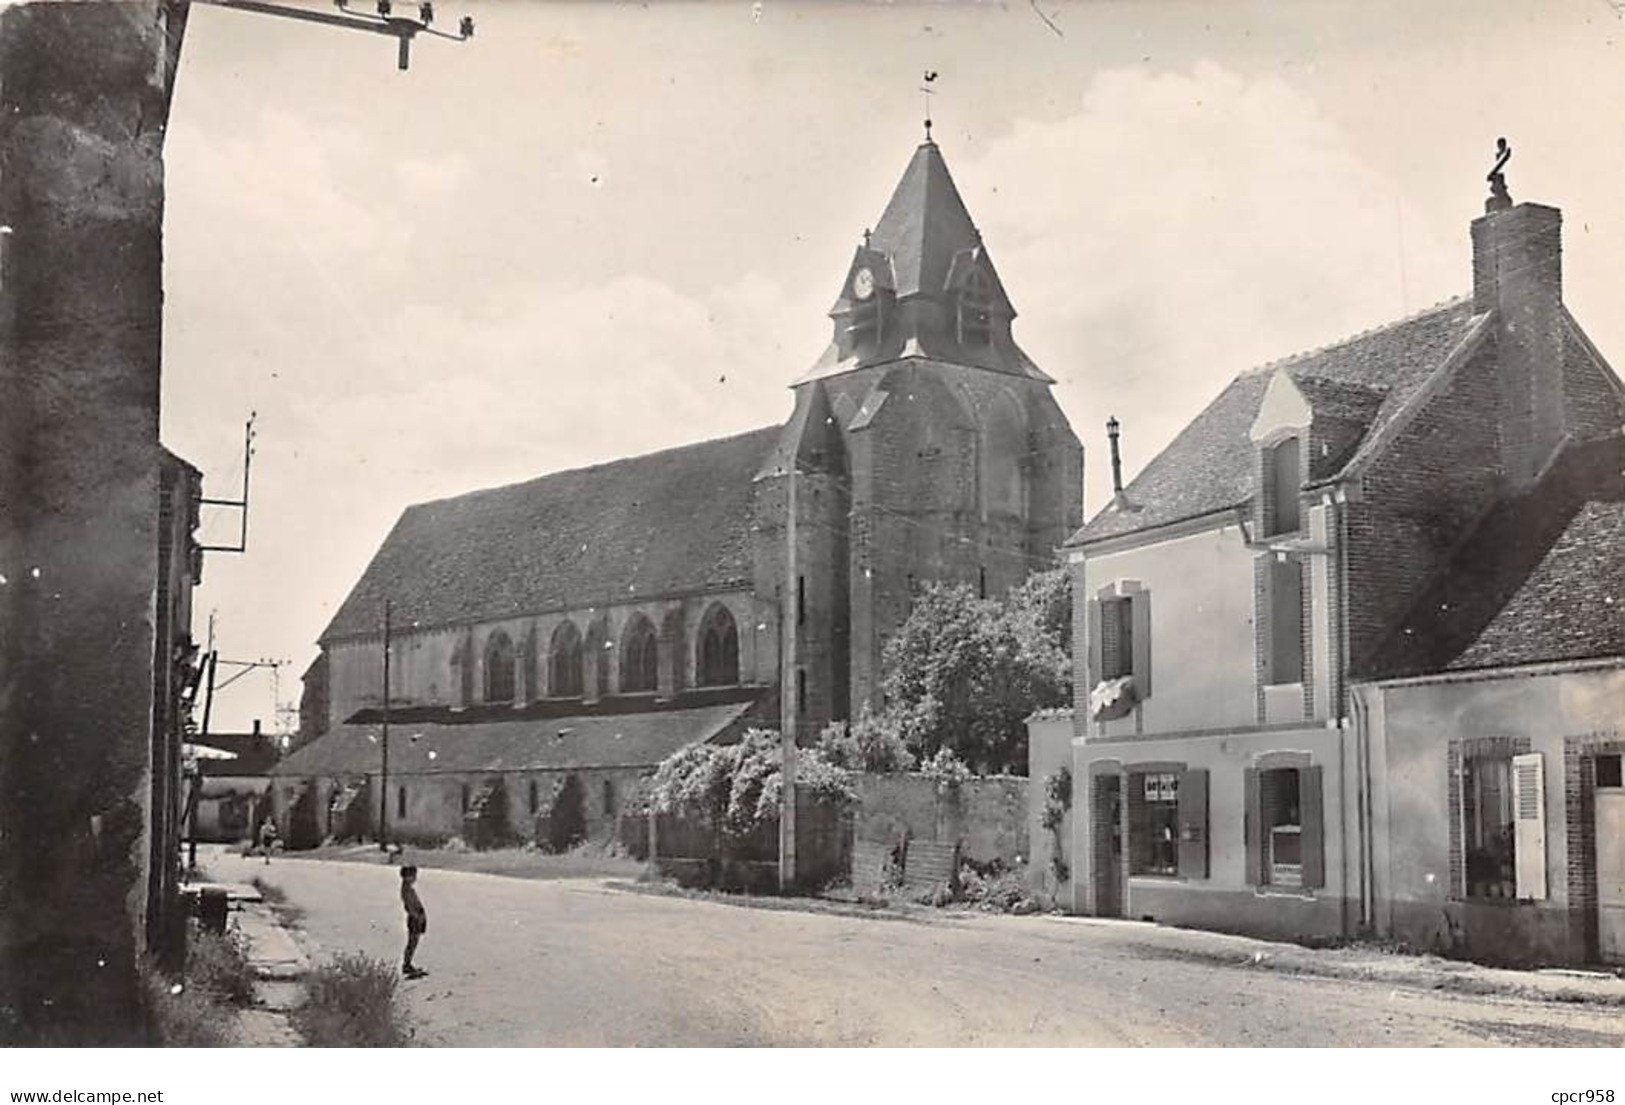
[[185, 1016], [352, 1001], [946, 768], [218, 965], [737, 786], [995, 888], [871, 744]]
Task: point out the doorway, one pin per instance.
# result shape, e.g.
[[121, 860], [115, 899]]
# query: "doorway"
[[1107, 804], [1610, 837]]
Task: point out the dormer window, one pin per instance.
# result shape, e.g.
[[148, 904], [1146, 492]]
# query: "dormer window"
[[976, 310], [1283, 477]]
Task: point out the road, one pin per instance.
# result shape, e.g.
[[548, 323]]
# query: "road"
[[578, 963]]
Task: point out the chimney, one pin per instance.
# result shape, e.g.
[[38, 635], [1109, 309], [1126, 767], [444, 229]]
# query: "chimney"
[[256, 727], [1518, 274], [1118, 498]]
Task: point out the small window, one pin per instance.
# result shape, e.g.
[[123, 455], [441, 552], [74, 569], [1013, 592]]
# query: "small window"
[[801, 600], [1489, 838], [801, 691], [981, 582], [1154, 823], [1281, 469], [533, 796], [465, 797], [609, 798], [1117, 637], [1608, 771], [400, 802], [1284, 661], [976, 311]]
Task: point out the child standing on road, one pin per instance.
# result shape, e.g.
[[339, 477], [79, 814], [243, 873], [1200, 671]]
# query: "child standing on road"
[[267, 839], [417, 920]]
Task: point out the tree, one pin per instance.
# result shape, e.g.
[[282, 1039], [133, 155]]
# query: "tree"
[[738, 786], [964, 673]]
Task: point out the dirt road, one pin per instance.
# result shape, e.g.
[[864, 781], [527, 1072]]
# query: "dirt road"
[[516, 962]]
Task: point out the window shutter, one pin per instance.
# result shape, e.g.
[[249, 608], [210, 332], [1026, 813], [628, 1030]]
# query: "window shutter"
[[1529, 811], [1253, 828], [1313, 838], [1139, 824], [1193, 834], [1140, 613], [1096, 642]]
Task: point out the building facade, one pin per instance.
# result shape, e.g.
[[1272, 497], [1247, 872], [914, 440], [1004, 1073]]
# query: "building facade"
[[680, 596], [1299, 628]]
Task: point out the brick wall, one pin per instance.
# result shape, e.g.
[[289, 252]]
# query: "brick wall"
[[1421, 497]]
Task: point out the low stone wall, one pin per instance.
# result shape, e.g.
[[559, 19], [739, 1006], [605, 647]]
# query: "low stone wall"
[[987, 817]]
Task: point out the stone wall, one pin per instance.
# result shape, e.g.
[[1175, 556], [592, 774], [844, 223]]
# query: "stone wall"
[[987, 817], [83, 107]]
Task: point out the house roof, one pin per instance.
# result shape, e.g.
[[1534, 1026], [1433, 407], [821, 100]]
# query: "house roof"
[[1540, 579], [557, 744], [668, 522], [252, 753], [1362, 385]]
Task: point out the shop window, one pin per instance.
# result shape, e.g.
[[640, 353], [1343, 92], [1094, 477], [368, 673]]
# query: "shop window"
[[1167, 821], [1154, 824]]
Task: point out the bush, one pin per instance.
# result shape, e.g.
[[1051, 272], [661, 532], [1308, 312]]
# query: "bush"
[[995, 888], [218, 965], [737, 786], [871, 744], [352, 1001]]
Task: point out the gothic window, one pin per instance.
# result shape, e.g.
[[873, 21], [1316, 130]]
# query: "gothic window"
[[499, 668], [640, 657], [719, 649], [564, 662], [976, 310]]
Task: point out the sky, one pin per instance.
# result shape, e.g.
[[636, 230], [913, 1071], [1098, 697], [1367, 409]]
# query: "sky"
[[598, 230]]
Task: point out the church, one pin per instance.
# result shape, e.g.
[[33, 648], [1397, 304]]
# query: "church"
[[550, 642]]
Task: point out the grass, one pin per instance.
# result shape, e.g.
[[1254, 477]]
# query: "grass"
[[199, 1008], [352, 1001]]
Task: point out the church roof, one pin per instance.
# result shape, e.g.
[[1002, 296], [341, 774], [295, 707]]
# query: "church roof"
[[570, 743], [664, 523], [1363, 385], [925, 226]]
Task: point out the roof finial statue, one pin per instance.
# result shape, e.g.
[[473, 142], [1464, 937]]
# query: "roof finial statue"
[[867, 233], [1500, 199], [930, 76]]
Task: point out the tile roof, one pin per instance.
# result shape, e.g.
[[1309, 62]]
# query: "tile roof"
[[1362, 384], [609, 740], [667, 522], [1540, 579]]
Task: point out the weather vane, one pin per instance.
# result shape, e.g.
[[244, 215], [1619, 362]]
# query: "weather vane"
[[930, 78], [385, 22], [1500, 199]]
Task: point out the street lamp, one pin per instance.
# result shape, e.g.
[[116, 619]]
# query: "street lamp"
[[384, 22]]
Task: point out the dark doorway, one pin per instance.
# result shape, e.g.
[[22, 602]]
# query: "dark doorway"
[[1107, 823]]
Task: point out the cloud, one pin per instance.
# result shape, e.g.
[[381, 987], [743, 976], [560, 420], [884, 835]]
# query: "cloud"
[[1179, 228]]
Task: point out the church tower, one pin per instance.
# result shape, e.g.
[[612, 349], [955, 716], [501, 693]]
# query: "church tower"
[[925, 444]]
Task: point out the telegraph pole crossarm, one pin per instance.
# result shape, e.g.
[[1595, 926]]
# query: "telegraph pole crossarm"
[[403, 28]]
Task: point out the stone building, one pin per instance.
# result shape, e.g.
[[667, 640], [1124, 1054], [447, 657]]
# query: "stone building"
[[586, 624], [96, 556], [1350, 649]]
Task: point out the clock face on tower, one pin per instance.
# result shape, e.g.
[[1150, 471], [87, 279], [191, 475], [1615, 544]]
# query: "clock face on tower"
[[863, 283]]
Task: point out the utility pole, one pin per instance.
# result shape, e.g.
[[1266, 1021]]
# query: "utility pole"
[[383, 778], [789, 693]]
